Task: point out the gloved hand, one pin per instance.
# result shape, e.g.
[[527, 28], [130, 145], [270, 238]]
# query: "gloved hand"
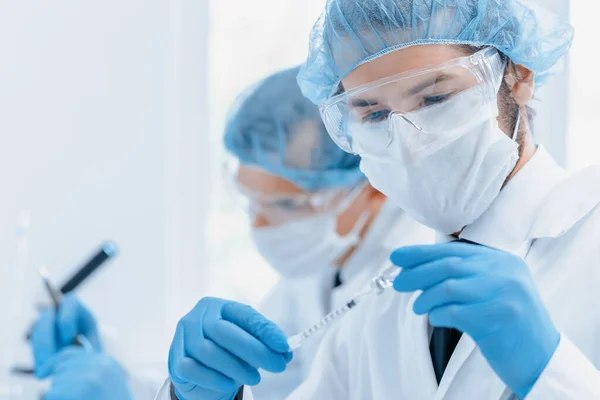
[[79, 374], [219, 346], [488, 294], [54, 331]]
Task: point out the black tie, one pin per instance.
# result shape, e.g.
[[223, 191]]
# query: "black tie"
[[337, 280], [442, 345], [443, 342]]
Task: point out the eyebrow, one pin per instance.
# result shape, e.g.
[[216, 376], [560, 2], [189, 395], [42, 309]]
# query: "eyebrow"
[[425, 84], [362, 103]]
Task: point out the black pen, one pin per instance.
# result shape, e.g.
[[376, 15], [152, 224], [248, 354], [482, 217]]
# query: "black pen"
[[107, 251], [56, 296]]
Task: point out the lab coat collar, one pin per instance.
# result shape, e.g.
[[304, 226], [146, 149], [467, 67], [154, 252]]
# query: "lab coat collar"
[[507, 223]]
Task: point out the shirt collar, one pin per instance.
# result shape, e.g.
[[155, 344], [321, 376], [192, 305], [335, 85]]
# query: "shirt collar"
[[506, 224]]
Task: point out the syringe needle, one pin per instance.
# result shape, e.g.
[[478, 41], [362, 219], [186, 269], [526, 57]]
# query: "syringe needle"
[[377, 286]]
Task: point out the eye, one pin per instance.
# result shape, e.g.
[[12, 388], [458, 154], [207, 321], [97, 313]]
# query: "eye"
[[376, 116], [437, 99], [291, 204], [285, 204]]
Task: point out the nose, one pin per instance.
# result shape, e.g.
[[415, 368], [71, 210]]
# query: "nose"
[[260, 221]]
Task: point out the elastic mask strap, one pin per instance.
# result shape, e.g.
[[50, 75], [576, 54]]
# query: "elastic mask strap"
[[353, 195], [516, 131], [364, 216], [360, 224]]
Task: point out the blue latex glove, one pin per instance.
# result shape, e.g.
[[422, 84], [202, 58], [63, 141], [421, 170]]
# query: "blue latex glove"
[[488, 294], [219, 346], [78, 374], [54, 331]]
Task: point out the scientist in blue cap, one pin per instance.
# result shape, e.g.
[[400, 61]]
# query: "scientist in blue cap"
[[314, 218], [434, 97]]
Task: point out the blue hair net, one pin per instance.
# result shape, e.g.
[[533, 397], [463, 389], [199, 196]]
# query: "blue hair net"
[[274, 127], [353, 32]]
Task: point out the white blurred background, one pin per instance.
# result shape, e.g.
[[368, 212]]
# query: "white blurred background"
[[111, 116]]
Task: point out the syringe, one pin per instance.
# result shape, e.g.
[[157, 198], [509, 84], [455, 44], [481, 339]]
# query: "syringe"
[[377, 286]]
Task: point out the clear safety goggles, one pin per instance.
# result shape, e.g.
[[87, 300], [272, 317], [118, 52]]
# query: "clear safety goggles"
[[368, 119], [279, 208]]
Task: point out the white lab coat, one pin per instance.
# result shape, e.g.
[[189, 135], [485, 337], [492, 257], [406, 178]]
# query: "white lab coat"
[[144, 387], [296, 304], [552, 219], [144, 380]]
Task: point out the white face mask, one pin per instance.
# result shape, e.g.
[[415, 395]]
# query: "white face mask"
[[301, 248], [445, 180]]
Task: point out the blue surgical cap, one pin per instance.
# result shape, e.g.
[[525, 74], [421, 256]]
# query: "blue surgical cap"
[[353, 32], [274, 127]]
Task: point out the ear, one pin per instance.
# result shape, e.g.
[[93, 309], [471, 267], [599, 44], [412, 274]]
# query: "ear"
[[520, 80]]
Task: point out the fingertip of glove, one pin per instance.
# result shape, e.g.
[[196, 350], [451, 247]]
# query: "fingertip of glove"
[[278, 366], [397, 256], [279, 343], [254, 379], [288, 356], [43, 371]]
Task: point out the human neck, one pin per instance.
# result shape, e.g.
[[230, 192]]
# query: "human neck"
[[376, 201], [528, 150]]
